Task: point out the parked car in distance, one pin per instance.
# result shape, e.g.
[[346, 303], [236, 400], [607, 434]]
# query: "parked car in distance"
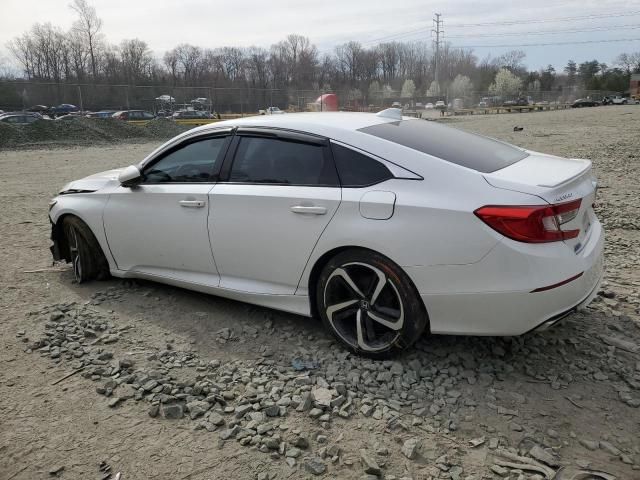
[[584, 102], [483, 104], [419, 106], [615, 100], [133, 115], [101, 114], [519, 102], [63, 109], [271, 111], [428, 106], [69, 116], [20, 118], [38, 109], [302, 213], [191, 115], [441, 105]]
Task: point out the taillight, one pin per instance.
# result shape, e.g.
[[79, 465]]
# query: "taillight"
[[532, 224]]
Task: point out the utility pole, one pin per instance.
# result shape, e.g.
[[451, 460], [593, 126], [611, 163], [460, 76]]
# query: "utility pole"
[[438, 30]]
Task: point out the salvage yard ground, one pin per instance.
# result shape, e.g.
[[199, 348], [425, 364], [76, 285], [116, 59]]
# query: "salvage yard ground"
[[263, 395]]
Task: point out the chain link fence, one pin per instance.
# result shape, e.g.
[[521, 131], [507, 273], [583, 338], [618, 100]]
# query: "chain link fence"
[[93, 97], [20, 95]]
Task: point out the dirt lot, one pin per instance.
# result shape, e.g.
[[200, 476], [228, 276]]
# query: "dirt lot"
[[272, 396]]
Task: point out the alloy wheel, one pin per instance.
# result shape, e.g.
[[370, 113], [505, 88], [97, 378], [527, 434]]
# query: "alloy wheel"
[[74, 251], [364, 306]]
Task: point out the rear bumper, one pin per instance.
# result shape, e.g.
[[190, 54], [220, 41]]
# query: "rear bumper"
[[495, 296]]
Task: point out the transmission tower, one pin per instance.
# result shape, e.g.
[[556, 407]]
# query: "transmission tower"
[[437, 31]]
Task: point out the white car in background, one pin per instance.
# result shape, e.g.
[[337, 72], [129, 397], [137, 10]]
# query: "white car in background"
[[271, 111], [383, 226]]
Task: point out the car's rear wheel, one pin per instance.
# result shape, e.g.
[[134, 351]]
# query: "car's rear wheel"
[[84, 251], [369, 304]]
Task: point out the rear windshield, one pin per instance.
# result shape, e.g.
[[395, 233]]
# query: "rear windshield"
[[462, 148]]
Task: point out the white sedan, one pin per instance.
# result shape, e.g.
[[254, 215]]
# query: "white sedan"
[[383, 226]]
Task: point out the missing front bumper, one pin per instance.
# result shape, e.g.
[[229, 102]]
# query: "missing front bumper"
[[55, 247]]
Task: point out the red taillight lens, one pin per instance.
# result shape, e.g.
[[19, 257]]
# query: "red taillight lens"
[[532, 224]]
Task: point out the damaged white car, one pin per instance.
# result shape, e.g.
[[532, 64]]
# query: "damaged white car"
[[383, 226]]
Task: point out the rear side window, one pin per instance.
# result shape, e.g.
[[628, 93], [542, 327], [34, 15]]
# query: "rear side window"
[[356, 169], [270, 160], [462, 148]]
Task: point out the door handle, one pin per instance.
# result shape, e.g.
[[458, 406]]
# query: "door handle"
[[191, 203], [311, 210]]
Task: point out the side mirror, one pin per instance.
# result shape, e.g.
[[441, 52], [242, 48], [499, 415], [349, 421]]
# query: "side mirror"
[[130, 176]]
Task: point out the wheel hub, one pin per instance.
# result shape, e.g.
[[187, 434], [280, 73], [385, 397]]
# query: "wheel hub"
[[363, 306]]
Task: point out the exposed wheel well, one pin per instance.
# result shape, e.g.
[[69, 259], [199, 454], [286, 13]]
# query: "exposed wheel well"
[[61, 238], [326, 257]]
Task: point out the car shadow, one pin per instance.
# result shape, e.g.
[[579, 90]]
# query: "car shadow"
[[217, 326]]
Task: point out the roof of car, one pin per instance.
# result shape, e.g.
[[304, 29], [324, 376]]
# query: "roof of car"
[[320, 123]]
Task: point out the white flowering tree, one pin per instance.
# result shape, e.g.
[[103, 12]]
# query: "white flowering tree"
[[505, 84]]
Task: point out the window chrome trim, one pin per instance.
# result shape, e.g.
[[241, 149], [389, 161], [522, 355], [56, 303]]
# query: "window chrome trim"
[[188, 136], [282, 134]]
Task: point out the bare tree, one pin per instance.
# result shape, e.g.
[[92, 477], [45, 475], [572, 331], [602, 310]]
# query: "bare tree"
[[512, 61], [88, 26], [630, 62], [136, 59], [170, 60], [349, 61]]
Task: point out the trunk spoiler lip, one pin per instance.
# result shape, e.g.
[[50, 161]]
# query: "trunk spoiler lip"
[[586, 166], [514, 175]]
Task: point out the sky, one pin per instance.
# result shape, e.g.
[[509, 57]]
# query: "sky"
[[214, 23]]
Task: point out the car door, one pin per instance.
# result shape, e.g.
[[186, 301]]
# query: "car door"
[[159, 227], [278, 192]]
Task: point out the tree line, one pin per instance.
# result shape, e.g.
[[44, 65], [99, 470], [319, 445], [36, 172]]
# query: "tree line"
[[82, 54]]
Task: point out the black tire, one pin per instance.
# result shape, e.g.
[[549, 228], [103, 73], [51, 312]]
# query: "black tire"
[[84, 252], [354, 277]]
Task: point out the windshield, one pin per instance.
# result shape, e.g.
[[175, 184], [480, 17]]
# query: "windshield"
[[469, 150]]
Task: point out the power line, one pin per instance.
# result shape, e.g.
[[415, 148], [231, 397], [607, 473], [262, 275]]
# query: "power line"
[[547, 20], [549, 44], [548, 32], [400, 35], [515, 34], [395, 36]]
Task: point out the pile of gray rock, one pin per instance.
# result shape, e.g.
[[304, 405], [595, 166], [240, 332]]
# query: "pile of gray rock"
[[430, 391]]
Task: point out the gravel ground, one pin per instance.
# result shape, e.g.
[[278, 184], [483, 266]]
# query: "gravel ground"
[[167, 383]]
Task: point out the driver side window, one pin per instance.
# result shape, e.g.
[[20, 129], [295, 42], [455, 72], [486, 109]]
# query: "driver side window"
[[198, 161]]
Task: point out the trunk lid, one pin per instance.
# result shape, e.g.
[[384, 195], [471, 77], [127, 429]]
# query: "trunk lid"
[[555, 180]]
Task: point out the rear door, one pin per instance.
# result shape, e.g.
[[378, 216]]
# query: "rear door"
[[278, 192]]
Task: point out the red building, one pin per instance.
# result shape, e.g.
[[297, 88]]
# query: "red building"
[[634, 85]]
